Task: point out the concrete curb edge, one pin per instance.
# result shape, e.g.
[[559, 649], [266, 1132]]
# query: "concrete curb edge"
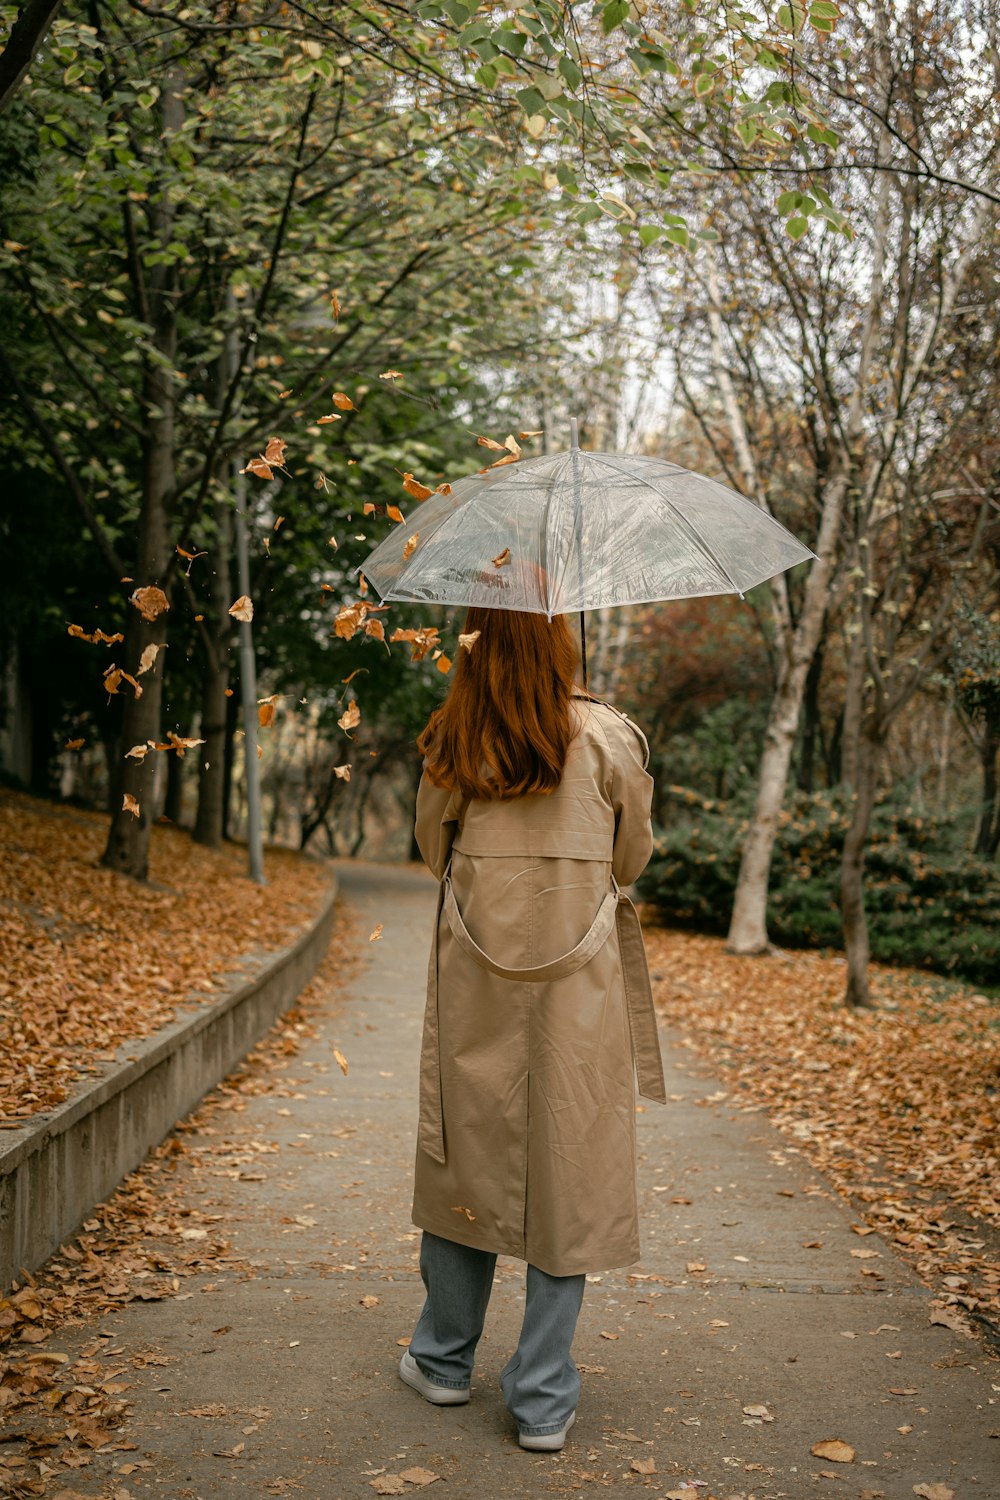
[[69, 1159]]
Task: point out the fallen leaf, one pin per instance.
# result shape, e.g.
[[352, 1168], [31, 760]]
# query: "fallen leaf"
[[835, 1449], [369, 1301], [936, 1491], [696, 1265], [612, 1336], [642, 1465], [410, 545], [351, 717], [242, 609], [150, 602], [757, 1409], [502, 558], [466, 1211], [418, 1476], [388, 1484]]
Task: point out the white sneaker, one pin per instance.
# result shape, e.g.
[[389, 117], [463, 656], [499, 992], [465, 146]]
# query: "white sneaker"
[[440, 1395], [546, 1442]]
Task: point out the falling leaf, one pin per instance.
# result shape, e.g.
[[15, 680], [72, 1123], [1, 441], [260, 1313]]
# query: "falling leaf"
[[343, 773], [391, 375], [376, 935], [510, 442], [340, 1060], [488, 442], [410, 545], [834, 1449], [150, 602], [333, 417], [74, 744], [139, 752], [130, 805], [179, 743], [466, 642], [342, 402], [415, 488], [96, 637], [148, 658], [444, 664], [335, 305], [277, 523], [351, 717], [265, 713], [394, 513], [189, 557], [242, 609], [502, 559], [418, 1476], [114, 676], [369, 1301], [423, 638], [509, 458], [537, 432]]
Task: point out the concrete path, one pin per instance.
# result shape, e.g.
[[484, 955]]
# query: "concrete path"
[[277, 1374]]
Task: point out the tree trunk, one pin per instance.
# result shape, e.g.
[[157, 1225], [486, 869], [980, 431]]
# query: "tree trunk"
[[748, 926], [209, 820], [173, 802], [852, 894], [127, 848], [229, 759], [988, 832], [850, 741], [812, 728]]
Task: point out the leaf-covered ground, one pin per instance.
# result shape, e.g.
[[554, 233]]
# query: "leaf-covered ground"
[[898, 1105], [90, 959], [140, 1245]]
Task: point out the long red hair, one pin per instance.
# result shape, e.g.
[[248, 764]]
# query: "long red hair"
[[505, 727]]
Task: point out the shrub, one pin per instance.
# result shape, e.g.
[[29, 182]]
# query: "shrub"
[[927, 904]]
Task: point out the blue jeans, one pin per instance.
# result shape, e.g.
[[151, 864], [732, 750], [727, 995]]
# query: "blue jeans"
[[540, 1382]]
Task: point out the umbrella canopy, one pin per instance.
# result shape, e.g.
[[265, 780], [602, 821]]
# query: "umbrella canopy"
[[579, 531]]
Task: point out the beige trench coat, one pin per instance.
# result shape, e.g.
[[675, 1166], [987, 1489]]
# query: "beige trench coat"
[[526, 1140]]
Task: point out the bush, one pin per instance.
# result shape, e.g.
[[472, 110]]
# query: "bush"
[[927, 904]]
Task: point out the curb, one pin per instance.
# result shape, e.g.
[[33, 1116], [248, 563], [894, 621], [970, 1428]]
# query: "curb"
[[67, 1160]]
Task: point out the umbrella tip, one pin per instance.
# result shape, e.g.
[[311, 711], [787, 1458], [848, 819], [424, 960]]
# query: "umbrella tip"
[[574, 433]]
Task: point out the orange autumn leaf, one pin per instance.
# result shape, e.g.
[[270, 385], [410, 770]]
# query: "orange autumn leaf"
[[350, 718], [74, 744], [96, 636], [835, 1450], [394, 513], [509, 458], [335, 304], [265, 713], [370, 508], [179, 743], [376, 935], [130, 805], [502, 559], [536, 432], [342, 401], [443, 489], [488, 442], [115, 676], [340, 1060], [410, 545], [422, 638], [415, 488], [242, 609], [391, 375], [150, 602], [375, 629], [333, 417], [148, 658], [274, 453], [444, 664]]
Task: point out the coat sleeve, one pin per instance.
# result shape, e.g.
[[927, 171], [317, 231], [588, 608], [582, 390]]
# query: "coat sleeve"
[[632, 797], [437, 823]]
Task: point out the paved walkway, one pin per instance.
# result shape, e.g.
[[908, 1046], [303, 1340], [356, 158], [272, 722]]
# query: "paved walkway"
[[725, 1376]]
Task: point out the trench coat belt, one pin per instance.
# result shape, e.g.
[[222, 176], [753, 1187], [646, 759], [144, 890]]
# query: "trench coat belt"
[[616, 910]]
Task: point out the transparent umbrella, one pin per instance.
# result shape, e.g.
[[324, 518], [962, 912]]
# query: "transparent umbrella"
[[577, 531]]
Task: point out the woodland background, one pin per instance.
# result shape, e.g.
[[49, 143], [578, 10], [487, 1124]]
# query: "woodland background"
[[762, 245]]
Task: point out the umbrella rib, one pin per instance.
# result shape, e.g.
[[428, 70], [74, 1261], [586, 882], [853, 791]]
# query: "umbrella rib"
[[608, 458]]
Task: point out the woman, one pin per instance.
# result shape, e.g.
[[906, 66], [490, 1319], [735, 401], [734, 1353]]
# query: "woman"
[[532, 810]]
